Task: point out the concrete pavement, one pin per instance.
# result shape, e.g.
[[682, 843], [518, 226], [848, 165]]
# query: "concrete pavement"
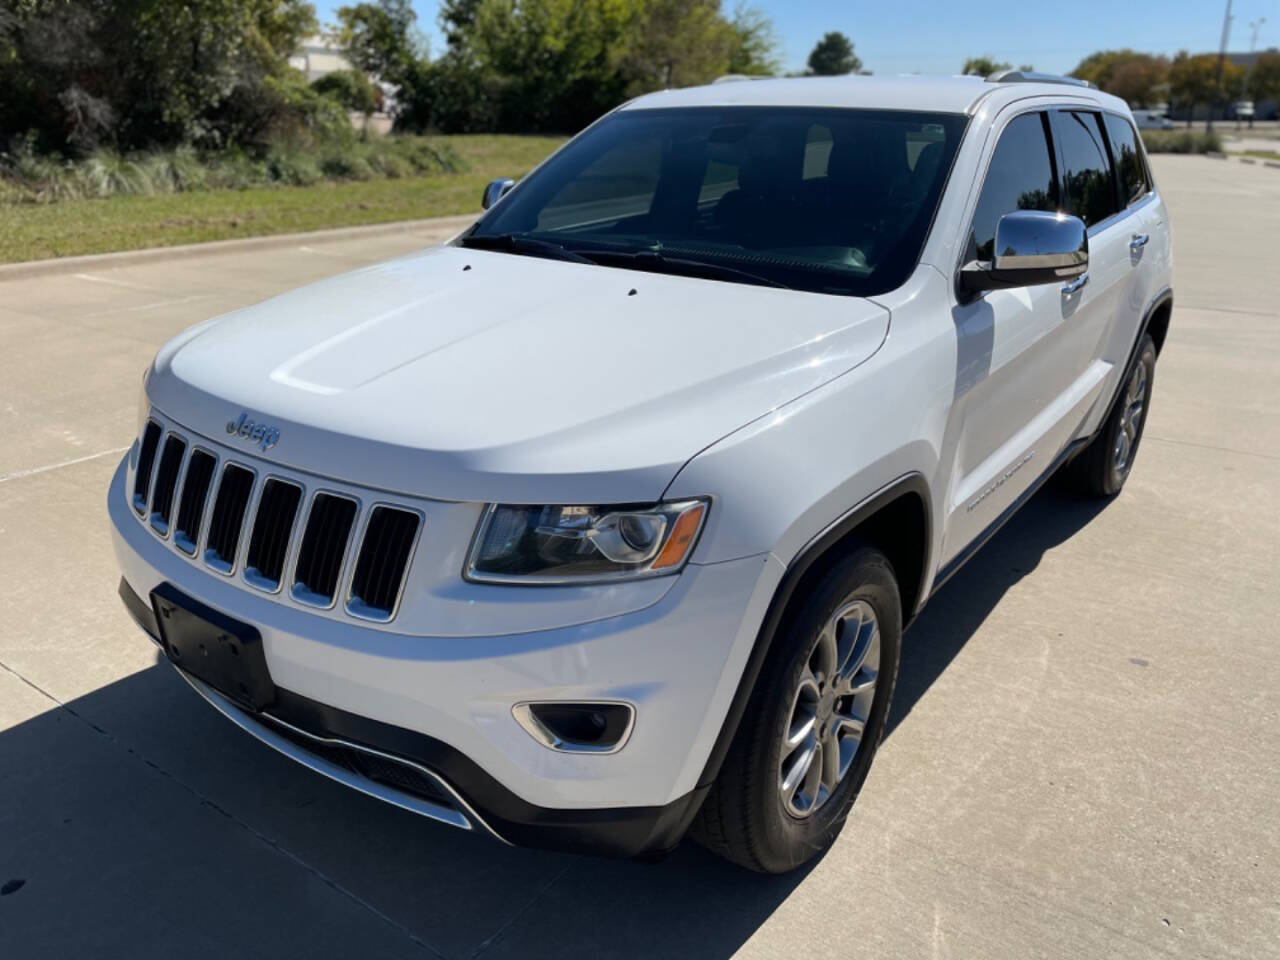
[[1083, 761]]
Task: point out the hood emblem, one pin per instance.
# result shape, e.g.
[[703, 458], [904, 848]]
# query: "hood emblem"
[[263, 435]]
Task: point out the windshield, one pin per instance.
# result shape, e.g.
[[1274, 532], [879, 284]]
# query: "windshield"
[[827, 200]]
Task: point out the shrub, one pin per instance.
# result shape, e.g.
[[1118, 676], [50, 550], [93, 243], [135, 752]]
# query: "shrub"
[[1181, 141], [351, 88], [27, 176]]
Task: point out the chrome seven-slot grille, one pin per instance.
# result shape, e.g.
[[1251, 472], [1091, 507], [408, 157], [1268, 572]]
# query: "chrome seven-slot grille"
[[263, 529]]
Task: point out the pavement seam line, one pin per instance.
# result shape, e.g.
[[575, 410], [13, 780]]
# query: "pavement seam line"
[[496, 936], [33, 471], [218, 808], [1209, 446]]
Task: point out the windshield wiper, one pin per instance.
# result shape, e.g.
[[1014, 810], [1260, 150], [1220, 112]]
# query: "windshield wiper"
[[660, 263], [521, 243]]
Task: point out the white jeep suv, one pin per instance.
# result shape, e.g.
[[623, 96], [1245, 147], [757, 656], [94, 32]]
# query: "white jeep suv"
[[604, 521]]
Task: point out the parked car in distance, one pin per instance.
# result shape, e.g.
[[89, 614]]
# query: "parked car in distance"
[[1152, 120], [602, 523]]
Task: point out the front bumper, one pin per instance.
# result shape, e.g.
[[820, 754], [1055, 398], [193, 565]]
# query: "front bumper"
[[445, 703]]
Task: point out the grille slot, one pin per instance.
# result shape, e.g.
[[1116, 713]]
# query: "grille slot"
[[167, 483], [146, 461], [324, 544], [272, 528], [382, 563], [195, 492], [228, 518]]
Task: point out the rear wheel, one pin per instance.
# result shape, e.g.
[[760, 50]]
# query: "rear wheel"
[[1102, 467], [814, 722]]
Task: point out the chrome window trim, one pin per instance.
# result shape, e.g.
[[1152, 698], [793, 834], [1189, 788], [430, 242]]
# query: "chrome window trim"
[[249, 574], [163, 534], [216, 564], [359, 612], [299, 591]]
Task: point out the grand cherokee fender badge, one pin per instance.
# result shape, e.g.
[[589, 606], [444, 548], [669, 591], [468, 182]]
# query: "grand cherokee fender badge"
[[264, 436]]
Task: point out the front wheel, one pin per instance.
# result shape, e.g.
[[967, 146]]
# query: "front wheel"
[[1102, 467], [813, 724]]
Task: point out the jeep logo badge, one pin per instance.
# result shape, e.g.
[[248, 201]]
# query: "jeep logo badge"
[[264, 436]]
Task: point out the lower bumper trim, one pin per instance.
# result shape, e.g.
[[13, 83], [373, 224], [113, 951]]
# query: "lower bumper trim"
[[460, 816]]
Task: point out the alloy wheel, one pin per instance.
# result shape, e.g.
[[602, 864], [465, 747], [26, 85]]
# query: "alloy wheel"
[[830, 709], [1135, 399]]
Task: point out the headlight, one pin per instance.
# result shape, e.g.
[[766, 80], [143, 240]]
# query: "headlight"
[[516, 544]]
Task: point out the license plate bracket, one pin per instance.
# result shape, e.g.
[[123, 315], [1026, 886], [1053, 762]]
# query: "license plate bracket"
[[224, 652]]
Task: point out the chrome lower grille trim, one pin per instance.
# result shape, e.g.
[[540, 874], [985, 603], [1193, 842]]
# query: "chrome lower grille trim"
[[460, 815]]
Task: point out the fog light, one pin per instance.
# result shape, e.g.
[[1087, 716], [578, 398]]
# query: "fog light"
[[591, 727]]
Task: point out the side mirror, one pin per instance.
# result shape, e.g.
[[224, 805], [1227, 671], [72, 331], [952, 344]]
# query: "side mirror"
[[1031, 247], [495, 191]]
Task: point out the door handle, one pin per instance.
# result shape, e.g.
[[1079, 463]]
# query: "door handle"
[[1075, 285], [1139, 241]]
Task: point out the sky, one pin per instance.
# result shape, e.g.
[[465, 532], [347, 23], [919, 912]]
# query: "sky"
[[933, 36]]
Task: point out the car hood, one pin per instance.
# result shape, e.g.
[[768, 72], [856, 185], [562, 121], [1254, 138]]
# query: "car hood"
[[472, 375]]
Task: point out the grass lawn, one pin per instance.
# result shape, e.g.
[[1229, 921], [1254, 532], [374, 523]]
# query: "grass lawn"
[[69, 227], [1260, 154]]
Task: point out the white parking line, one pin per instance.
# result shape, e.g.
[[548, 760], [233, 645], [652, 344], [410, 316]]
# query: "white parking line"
[[65, 463]]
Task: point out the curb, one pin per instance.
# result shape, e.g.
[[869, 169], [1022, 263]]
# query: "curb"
[[33, 268]]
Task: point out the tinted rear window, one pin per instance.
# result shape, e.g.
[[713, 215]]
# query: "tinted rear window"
[[1129, 166], [1090, 193]]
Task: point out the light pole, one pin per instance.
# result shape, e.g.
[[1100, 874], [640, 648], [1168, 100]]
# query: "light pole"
[[1254, 27], [1222, 56]]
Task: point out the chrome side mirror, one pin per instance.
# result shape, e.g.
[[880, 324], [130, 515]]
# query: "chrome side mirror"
[[495, 191], [1031, 247]]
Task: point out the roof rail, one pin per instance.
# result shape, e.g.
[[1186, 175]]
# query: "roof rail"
[[736, 77], [1030, 76]]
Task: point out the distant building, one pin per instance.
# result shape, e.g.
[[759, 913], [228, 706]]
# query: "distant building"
[[319, 56]]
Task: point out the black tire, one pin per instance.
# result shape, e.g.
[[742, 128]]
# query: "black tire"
[[745, 817], [1098, 470]]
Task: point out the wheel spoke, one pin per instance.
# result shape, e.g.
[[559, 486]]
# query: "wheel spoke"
[[851, 726], [801, 727], [861, 682], [823, 662], [799, 767], [830, 761]]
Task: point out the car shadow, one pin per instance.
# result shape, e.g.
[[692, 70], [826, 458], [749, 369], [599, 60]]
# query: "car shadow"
[[126, 809]]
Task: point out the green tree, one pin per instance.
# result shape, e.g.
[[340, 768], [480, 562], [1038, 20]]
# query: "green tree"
[[377, 39], [1264, 78], [833, 56], [983, 66], [351, 88], [137, 73], [1193, 80], [754, 45], [1139, 78]]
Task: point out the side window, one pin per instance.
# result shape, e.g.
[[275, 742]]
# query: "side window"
[[1088, 190], [1128, 158], [1020, 177]]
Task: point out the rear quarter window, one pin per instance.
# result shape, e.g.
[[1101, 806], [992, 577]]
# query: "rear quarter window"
[[1130, 168]]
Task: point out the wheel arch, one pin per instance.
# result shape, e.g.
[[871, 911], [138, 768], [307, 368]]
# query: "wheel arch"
[[1157, 319], [895, 519]]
